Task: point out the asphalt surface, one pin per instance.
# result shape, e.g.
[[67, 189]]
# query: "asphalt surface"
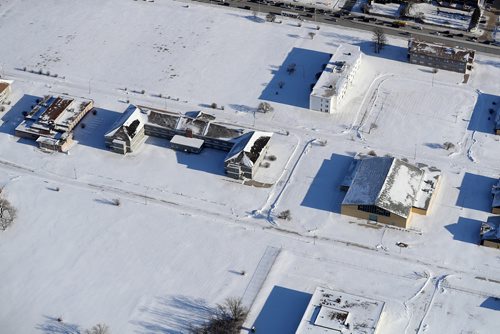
[[355, 21]]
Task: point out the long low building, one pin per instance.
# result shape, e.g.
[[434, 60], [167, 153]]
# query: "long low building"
[[246, 147], [52, 120], [335, 312], [440, 56], [336, 77], [388, 190]]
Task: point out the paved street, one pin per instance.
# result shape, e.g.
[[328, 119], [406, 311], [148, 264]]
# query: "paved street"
[[356, 21]]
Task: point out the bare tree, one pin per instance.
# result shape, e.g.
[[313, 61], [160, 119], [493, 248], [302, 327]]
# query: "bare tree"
[[98, 329], [227, 319], [7, 213], [286, 215], [379, 39]]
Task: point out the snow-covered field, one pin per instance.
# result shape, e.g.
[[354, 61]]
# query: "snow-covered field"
[[390, 9], [447, 17], [183, 232]]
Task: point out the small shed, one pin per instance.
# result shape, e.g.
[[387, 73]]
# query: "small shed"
[[186, 144]]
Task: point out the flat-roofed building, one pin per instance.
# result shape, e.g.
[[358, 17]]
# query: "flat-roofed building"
[[54, 119], [186, 144], [490, 232], [335, 312], [336, 77], [440, 56], [388, 190], [5, 89]]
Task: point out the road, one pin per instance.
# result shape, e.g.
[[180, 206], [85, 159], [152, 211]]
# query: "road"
[[355, 21]]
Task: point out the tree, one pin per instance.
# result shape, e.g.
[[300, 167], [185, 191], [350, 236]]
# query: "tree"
[[474, 19], [311, 34], [7, 213], [227, 319], [264, 107], [379, 39]]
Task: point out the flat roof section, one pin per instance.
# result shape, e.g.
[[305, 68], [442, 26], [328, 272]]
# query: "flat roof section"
[[187, 141], [335, 312]]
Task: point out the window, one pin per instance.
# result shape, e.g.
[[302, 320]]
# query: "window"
[[374, 209]]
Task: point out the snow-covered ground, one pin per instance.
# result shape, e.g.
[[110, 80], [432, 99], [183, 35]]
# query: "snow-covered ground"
[[446, 17], [390, 9], [183, 232]]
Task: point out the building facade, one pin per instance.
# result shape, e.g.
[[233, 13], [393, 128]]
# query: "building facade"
[[5, 90]]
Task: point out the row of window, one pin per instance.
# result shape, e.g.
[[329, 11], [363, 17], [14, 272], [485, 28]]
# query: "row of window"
[[374, 209]]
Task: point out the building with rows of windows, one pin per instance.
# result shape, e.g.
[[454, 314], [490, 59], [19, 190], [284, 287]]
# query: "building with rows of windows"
[[336, 77], [440, 56]]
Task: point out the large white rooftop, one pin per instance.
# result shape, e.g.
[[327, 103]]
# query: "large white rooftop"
[[337, 70], [331, 311]]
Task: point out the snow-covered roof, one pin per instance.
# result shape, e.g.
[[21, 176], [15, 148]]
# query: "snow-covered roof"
[[337, 70], [440, 50], [496, 195], [389, 183], [336, 312], [130, 115], [490, 230], [248, 147]]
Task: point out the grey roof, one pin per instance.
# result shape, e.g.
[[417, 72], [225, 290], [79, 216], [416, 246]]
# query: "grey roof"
[[368, 181], [388, 183], [490, 230]]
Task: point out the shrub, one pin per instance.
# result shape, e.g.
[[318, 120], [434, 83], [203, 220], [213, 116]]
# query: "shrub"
[[98, 329], [213, 105], [372, 153], [448, 146], [271, 158], [286, 215], [7, 213], [116, 201]]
